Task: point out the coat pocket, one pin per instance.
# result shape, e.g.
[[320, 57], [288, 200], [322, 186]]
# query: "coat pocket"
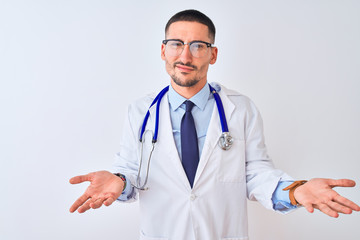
[[231, 163]]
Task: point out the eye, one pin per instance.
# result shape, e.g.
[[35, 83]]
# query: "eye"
[[175, 44], [198, 46]]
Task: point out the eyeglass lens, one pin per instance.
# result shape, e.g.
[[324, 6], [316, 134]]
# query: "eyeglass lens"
[[175, 48]]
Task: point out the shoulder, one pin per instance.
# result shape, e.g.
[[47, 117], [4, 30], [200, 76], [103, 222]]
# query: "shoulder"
[[142, 105], [234, 96], [144, 100], [227, 91]]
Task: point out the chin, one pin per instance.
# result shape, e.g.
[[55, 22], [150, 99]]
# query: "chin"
[[185, 82]]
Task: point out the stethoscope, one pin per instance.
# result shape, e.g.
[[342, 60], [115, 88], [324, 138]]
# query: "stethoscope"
[[225, 140]]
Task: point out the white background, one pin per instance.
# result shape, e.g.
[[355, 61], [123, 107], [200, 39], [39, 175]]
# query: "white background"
[[68, 69]]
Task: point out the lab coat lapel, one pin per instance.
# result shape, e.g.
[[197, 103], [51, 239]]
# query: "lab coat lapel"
[[214, 132], [166, 141]]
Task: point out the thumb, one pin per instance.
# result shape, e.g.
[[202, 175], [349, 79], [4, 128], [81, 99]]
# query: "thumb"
[[80, 178], [342, 183]]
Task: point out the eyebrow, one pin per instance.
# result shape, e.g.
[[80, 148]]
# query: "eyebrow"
[[176, 39]]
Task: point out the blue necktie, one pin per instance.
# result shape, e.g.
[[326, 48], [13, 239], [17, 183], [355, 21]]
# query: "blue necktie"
[[189, 144]]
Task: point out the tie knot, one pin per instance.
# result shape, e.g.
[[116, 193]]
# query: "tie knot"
[[189, 105]]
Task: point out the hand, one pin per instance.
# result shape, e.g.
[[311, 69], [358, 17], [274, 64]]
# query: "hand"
[[318, 193], [104, 188]]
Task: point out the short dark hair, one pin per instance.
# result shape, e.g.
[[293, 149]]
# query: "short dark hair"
[[192, 15]]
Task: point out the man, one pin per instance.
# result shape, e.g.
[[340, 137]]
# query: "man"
[[197, 190]]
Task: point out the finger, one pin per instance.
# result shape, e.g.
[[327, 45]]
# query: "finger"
[[80, 178], [80, 201], [327, 210], [339, 208], [347, 203], [97, 203], [342, 183], [109, 201], [309, 207], [84, 207]]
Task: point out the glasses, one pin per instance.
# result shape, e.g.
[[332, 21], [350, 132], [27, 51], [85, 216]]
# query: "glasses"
[[198, 49]]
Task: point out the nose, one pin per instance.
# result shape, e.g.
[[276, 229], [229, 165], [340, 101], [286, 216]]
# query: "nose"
[[186, 55]]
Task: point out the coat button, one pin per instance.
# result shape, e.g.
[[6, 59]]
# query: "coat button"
[[192, 197]]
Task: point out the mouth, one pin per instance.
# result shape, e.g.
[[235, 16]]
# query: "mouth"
[[184, 68]]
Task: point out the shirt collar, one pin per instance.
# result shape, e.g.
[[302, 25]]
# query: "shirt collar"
[[200, 99]]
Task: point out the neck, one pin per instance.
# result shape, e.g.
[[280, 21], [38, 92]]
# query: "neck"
[[188, 92]]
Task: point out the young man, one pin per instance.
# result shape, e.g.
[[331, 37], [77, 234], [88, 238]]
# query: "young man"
[[197, 189]]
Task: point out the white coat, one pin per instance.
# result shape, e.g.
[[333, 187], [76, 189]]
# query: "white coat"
[[215, 208]]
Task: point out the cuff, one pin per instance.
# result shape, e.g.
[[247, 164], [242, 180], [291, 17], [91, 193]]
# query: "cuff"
[[126, 194], [280, 198]]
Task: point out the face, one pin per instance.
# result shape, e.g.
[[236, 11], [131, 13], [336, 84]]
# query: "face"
[[186, 70]]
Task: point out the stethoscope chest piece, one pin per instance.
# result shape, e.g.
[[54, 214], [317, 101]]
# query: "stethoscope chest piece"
[[225, 141]]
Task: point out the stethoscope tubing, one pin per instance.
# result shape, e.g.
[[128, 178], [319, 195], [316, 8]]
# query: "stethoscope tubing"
[[220, 107], [157, 99]]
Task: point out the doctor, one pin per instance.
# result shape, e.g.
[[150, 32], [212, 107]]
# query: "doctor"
[[195, 188]]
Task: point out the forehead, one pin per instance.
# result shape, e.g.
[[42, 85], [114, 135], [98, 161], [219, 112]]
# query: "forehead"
[[188, 31]]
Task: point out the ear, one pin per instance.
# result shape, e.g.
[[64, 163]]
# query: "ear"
[[163, 51], [214, 53]]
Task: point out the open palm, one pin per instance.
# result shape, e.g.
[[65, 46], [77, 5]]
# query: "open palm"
[[104, 188]]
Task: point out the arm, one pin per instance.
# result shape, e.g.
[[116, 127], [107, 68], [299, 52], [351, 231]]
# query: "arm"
[[261, 176], [318, 193]]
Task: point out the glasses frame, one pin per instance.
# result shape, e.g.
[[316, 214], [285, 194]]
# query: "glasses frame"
[[196, 41]]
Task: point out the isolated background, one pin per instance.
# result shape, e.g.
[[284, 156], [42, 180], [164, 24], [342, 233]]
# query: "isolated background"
[[68, 69]]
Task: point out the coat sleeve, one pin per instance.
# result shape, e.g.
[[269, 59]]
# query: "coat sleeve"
[[261, 176], [126, 160]]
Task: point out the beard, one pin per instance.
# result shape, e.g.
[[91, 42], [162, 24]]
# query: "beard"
[[187, 83]]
